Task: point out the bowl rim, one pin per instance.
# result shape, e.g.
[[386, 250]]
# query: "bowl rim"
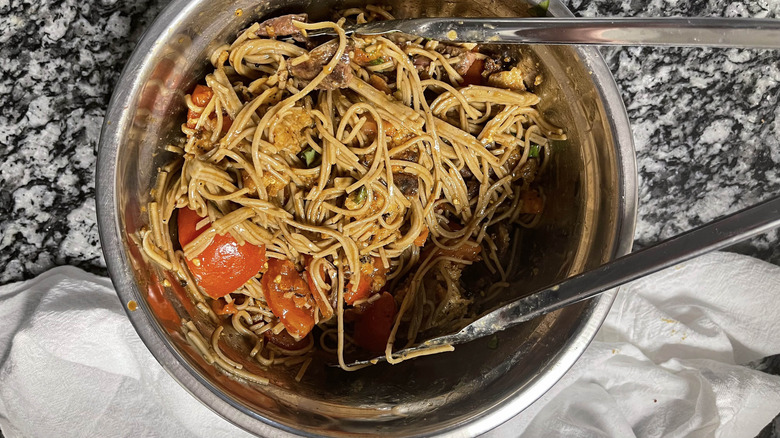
[[117, 120]]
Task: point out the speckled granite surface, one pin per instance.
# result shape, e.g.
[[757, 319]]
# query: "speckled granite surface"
[[60, 61], [706, 123]]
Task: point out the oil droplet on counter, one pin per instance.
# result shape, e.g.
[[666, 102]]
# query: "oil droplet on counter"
[[132, 305], [239, 12]]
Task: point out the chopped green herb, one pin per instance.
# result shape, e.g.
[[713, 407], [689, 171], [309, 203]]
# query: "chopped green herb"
[[309, 156], [360, 195], [356, 199], [540, 10], [493, 342], [534, 152], [376, 61]]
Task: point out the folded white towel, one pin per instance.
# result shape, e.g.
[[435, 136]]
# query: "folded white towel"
[[669, 359], [73, 366], [667, 362]]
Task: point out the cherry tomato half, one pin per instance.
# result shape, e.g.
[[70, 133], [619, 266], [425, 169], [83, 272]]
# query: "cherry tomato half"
[[374, 323], [372, 278], [224, 265], [289, 298], [201, 96]]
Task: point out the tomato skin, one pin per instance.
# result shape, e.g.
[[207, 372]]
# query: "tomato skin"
[[281, 279], [227, 122], [160, 305], [370, 273], [363, 58], [224, 265], [222, 308], [473, 75], [363, 290], [192, 120], [188, 221], [532, 202], [374, 324], [201, 95], [420, 240]]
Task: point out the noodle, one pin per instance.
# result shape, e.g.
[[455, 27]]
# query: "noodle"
[[363, 176]]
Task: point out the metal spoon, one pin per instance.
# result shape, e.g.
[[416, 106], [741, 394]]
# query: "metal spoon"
[[709, 237], [667, 31]]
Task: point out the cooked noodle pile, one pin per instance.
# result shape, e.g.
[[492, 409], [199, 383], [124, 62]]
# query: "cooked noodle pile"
[[367, 172]]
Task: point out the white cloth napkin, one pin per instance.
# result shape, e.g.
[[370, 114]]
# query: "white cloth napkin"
[[667, 362], [669, 359]]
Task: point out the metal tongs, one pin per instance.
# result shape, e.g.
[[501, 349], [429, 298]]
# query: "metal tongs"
[[698, 32], [621, 31], [709, 237]]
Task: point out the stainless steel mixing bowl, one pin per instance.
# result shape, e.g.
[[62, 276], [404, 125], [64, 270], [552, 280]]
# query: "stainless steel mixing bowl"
[[589, 220]]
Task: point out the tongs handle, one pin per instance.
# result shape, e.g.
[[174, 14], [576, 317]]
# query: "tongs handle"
[[715, 235], [623, 31]]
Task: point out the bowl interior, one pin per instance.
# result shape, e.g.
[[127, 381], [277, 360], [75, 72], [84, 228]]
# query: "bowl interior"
[[588, 220]]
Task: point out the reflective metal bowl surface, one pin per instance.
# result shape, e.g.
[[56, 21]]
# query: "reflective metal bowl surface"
[[589, 220]]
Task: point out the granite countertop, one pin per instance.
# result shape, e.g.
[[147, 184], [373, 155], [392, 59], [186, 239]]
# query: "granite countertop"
[[706, 123]]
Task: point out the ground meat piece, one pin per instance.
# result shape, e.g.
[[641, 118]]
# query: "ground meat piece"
[[492, 65], [500, 235], [450, 50], [527, 171], [282, 26], [472, 185], [467, 57], [472, 188], [408, 154], [406, 183], [366, 159], [319, 57], [514, 157], [464, 64], [421, 62], [339, 77]]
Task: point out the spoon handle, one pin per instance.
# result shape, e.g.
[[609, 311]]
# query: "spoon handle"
[[712, 236], [667, 31]]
